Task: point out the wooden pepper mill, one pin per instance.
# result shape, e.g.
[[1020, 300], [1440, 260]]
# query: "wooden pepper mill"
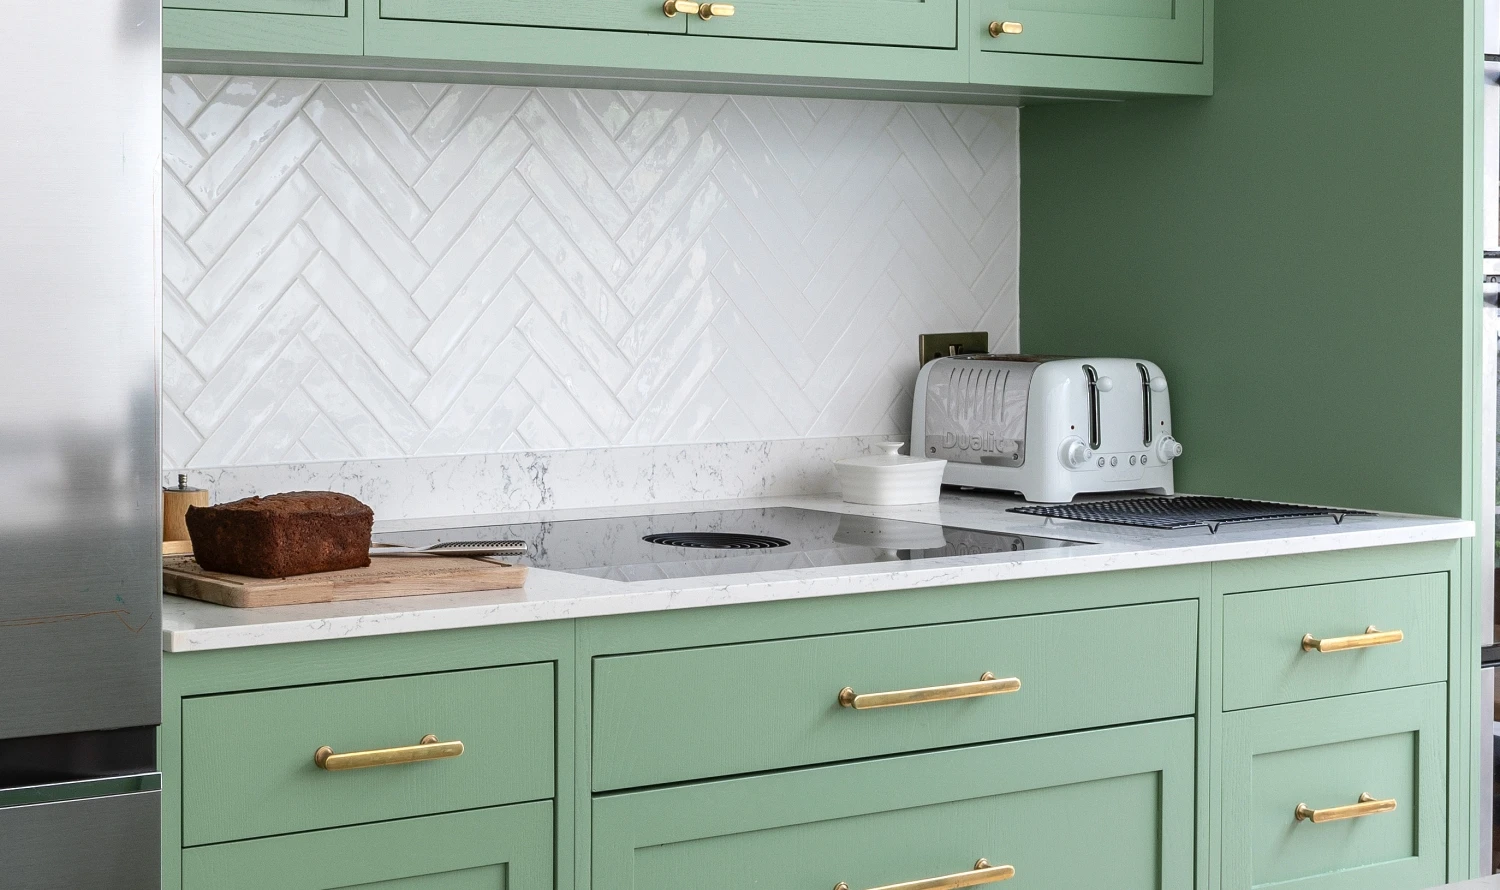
[[174, 507]]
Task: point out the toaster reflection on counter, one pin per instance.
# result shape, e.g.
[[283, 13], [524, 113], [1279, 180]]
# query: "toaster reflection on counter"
[[1048, 427]]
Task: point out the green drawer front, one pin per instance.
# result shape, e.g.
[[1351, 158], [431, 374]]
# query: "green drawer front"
[[1326, 754], [694, 713], [596, 15], [504, 848], [1110, 808], [247, 758], [1265, 663], [1155, 30], [286, 7], [929, 23]]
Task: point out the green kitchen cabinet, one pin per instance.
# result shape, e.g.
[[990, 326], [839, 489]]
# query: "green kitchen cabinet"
[[285, 27], [1338, 793], [503, 848], [601, 15], [929, 23], [1149, 30], [1110, 808], [936, 50]]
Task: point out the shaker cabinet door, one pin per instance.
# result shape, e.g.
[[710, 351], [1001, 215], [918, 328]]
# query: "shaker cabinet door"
[[1155, 30], [1337, 793], [1109, 808], [924, 23], [596, 15], [503, 848]]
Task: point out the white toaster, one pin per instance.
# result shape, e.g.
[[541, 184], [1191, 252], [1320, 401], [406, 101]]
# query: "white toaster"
[[1047, 427]]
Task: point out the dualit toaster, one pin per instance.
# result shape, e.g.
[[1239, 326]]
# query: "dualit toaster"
[[1047, 427]]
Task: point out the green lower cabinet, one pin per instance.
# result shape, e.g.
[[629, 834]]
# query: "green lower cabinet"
[[1108, 808], [1325, 756], [503, 848]]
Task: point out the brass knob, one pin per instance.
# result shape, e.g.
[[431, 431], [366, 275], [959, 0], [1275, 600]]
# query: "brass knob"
[[998, 28], [686, 7], [707, 11]]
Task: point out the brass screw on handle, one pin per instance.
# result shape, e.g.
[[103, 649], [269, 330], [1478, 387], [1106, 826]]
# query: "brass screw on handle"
[[998, 28]]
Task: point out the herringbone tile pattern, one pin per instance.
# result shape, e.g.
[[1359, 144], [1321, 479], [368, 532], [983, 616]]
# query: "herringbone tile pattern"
[[362, 270]]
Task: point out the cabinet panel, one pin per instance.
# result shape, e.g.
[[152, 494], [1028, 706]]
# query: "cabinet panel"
[[319, 27], [248, 758], [1109, 808], [1156, 30], [504, 848], [605, 15], [1324, 755], [930, 23], [285, 7], [1266, 663], [714, 711]]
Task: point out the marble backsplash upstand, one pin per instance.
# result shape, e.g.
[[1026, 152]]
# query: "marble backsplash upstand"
[[421, 487]]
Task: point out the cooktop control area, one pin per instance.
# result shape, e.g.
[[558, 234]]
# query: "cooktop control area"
[[727, 542]]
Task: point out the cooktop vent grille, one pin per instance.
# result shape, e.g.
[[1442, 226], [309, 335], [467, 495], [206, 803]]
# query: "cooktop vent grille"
[[1188, 511], [717, 541]]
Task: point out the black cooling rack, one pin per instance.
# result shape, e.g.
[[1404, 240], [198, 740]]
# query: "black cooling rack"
[[1188, 511]]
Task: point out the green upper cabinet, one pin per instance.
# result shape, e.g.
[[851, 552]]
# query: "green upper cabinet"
[[599, 15], [287, 7], [283, 27], [931, 23], [1152, 30]]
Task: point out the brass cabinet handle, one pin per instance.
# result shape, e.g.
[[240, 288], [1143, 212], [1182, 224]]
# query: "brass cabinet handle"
[[982, 873], [1367, 806], [998, 28], [986, 685], [427, 749], [686, 7], [1371, 637], [707, 11]]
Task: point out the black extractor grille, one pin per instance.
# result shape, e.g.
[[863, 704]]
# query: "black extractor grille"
[[717, 541], [1188, 511]]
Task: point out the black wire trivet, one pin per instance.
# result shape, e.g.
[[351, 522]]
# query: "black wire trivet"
[[1188, 511]]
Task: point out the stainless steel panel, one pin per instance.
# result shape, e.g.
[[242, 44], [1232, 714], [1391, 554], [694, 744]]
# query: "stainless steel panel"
[[80, 169], [98, 843]]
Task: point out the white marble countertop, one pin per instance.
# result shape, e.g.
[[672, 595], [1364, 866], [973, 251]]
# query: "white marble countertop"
[[188, 625]]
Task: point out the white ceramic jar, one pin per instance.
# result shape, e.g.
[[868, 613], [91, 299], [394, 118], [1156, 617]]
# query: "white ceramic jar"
[[888, 479]]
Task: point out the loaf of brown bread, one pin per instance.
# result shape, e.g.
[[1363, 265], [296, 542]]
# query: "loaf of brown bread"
[[281, 535]]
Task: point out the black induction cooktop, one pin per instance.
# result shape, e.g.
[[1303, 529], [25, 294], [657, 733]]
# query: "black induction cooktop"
[[726, 542]]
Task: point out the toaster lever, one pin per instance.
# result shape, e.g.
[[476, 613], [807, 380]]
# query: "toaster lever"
[[1145, 403], [1093, 377]]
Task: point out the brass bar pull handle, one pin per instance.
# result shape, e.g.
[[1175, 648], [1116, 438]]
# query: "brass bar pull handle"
[[982, 873], [686, 7], [1371, 637], [427, 749], [707, 11], [1367, 806], [998, 28], [986, 685]]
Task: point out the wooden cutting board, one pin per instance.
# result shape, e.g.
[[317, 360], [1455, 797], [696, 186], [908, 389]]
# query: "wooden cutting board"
[[385, 576]]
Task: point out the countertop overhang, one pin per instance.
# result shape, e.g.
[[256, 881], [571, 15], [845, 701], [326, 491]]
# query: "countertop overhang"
[[190, 626]]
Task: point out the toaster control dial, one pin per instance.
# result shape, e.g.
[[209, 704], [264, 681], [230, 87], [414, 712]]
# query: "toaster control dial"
[[1168, 449], [1075, 453]]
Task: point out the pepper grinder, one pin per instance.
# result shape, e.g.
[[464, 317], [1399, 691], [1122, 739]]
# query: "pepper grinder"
[[174, 507]]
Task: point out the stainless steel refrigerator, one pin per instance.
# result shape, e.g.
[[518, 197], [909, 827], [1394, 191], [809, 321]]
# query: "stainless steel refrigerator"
[[80, 496]]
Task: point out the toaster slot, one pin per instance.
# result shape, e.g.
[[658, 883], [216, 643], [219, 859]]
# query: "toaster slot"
[[1093, 376], [1145, 402]]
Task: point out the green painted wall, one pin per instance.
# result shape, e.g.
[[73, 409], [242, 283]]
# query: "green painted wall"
[[1297, 251]]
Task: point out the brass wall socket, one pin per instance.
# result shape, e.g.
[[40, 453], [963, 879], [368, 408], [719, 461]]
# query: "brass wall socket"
[[931, 346]]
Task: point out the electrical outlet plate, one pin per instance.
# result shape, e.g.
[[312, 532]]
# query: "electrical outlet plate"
[[933, 346]]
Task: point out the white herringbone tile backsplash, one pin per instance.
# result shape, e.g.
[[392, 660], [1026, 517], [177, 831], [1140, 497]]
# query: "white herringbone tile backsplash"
[[372, 270]]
